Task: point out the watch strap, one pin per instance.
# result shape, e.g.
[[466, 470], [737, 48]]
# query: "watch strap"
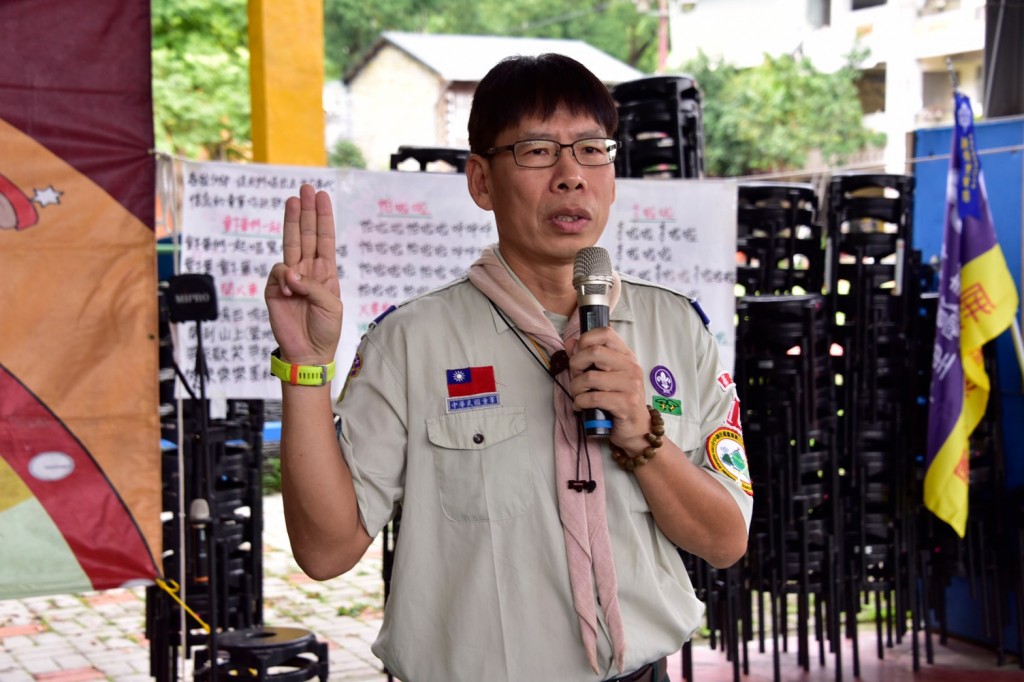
[[300, 375]]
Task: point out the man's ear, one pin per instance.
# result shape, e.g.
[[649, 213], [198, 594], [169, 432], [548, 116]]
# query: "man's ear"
[[478, 177]]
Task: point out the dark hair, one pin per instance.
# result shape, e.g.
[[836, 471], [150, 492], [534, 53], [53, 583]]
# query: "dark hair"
[[518, 87]]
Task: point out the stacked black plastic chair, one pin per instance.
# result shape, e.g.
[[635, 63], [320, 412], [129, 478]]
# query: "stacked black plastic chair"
[[870, 220], [779, 239], [453, 159], [785, 380], [928, 540], [992, 534], [222, 556], [660, 128], [218, 568], [835, 420]]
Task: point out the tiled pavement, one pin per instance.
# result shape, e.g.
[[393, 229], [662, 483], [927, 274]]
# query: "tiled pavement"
[[100, 635]]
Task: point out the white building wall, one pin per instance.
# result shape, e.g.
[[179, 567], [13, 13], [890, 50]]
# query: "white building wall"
[[738, 31], [908, 38], [337, 114], [395, 101]]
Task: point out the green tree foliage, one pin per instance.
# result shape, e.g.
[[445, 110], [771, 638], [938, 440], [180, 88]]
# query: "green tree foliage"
[[201, 54], [352, 26], [201, 78], [346, 154], [756, 120], [626, 29], [770, 117]]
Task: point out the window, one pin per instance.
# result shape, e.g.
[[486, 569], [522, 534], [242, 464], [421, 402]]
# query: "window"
[[819, 13], [937, 90], [936, 6], [871, 90]]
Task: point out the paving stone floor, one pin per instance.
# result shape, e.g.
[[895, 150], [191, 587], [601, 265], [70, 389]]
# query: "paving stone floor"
[[100, 635]]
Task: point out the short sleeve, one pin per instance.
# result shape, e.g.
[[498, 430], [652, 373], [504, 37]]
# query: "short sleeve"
[[723, 450], [372, 434]]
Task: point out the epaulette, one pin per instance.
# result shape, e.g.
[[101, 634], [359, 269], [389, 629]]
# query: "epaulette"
[[392, 308], [387, 311], [700, 311]]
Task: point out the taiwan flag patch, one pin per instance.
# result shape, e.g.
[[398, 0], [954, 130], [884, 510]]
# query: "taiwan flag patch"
[[471, 388], [470, 381]]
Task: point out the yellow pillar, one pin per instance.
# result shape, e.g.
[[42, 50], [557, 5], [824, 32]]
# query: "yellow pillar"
[[286, 71]]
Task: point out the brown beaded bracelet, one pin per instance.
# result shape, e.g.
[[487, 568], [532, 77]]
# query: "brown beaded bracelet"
[[653, 438]]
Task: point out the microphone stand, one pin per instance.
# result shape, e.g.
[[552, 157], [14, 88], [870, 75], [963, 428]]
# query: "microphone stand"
[[206, 467]]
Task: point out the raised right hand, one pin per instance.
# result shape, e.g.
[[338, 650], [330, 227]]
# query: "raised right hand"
[[302, 294]]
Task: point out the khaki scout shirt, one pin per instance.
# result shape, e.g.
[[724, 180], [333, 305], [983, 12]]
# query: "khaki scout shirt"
[[480, 586]]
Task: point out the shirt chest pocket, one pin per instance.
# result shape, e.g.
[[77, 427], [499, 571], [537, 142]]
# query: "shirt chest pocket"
[[482, 462]]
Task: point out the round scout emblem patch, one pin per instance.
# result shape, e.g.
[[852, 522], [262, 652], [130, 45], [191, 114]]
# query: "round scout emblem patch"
[[663, 381], [353, 372], [725, 450]]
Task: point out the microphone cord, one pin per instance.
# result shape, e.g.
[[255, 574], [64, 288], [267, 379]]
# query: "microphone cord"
[[553, 366]]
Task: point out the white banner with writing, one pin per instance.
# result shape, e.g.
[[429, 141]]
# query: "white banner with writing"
[[400, 234]]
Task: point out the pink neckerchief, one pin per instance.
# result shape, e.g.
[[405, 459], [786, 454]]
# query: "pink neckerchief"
[[588, 546]]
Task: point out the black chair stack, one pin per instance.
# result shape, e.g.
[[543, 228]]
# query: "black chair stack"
[[453, 159], [218, 568], [660, 128], [223, 556], [870, 220], [992, 534], [778, 239], [786, 384], [920, 522], [784, 380]]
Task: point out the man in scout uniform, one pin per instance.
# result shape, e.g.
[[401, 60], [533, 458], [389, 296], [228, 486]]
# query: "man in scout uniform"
[[528, 551]]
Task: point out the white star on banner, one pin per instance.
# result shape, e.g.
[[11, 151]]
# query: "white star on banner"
[[45, 197]]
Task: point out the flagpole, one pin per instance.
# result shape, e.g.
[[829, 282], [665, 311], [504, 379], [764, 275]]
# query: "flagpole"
[[1018, 345], [1018, 341]]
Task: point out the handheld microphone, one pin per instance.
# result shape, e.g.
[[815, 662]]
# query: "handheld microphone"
[[199, 515], [592, 279]]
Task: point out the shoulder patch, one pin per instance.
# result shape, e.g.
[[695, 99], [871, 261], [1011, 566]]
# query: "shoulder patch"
[[629, 279], [353, 372], [728, 456]]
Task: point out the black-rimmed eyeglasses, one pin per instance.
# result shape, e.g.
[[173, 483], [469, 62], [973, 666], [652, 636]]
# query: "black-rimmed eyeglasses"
[[592, 151]]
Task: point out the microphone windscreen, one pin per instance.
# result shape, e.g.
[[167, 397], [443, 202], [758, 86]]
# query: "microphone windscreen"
[[591, 262], [199, 511]]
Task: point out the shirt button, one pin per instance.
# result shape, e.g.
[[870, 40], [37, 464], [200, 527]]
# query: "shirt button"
[[478, 438]]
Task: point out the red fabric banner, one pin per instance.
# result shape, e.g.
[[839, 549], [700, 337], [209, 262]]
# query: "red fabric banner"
[[80, 488]]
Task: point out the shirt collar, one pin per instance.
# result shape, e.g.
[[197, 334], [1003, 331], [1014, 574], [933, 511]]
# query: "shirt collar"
[[621, 313]]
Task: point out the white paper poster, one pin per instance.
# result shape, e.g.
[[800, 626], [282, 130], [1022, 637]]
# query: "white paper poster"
[[681, 234], [232, 226], [402, 233]]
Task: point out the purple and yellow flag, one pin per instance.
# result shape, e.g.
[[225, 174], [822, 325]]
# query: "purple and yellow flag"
[[977, 302]]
